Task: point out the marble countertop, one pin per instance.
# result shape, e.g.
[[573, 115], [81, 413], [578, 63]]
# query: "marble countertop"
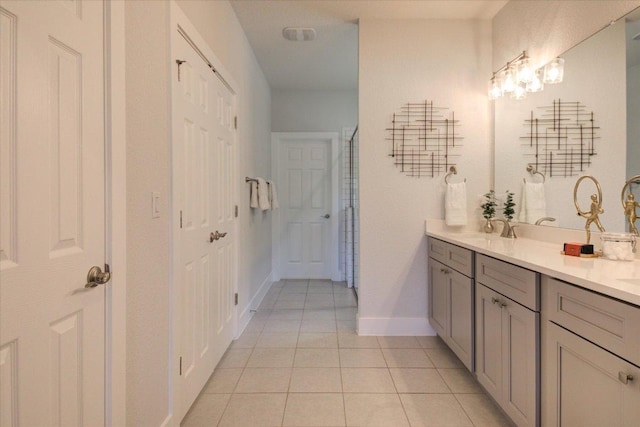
[[618, 279]]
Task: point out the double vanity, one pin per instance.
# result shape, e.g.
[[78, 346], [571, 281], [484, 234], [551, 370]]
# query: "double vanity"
[[554, 339]]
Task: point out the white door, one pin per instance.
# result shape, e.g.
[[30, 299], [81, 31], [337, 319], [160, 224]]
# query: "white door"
[[52, 351], [204, 150], [306, 208]]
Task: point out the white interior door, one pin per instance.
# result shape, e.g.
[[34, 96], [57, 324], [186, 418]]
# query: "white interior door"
[[306, 209], [204, 150], [52, 211]]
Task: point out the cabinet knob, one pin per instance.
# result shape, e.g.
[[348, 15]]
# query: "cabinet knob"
[[624, 377]]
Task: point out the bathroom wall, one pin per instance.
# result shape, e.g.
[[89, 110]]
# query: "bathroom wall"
[[545, 29], [402, 61], [633, 125], [313, 110], [148, 90]]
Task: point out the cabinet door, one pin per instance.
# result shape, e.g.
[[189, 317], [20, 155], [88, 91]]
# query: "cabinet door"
[[461, 320], [584, 385], [489, 341], [520, 358], [438, 298]]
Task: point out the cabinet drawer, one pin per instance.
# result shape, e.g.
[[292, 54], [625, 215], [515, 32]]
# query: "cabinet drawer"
[[517, 283], [458, 258], [607, 322]]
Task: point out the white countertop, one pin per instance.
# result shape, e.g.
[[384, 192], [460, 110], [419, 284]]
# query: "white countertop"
[[618, 279]]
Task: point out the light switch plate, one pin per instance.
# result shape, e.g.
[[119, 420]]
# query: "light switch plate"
[[155, 204]]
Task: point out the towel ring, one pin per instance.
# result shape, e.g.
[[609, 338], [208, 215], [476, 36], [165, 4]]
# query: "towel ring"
[[452, 171], [534, 171]]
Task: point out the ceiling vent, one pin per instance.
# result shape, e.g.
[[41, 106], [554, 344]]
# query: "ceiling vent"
[[299, 34]]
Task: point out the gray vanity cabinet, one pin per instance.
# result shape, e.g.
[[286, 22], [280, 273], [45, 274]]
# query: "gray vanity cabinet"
[[507, 337], [591, 358], [451, 290]]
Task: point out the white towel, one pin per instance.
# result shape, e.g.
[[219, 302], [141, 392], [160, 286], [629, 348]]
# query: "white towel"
[[533, 205], [254, 195], [263, 195], [273, 196], [455, 204]]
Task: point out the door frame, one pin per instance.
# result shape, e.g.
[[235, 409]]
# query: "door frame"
[[277, 140], [115, 213], [180, 23]]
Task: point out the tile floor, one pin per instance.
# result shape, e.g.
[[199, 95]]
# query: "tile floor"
[[299, 362]]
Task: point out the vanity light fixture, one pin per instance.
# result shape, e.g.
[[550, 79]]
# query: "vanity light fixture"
[[518, 77], [495, 91], [554, 71]]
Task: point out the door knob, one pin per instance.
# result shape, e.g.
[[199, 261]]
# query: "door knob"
[[97, 277], [327, 216], [624, 377], [216, 236]]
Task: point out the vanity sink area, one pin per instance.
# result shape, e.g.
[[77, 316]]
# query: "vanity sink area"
[[552, 338]]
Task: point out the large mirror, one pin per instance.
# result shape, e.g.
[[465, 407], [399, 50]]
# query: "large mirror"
[[601, 82]]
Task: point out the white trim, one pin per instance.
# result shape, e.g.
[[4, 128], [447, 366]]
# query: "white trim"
[[249, 310], [276, 139], [395, 326], [116, 215], [179, 26]]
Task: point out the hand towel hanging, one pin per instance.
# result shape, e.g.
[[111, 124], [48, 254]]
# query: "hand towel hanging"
[[254, 195], [263, 195], [455, 206], [273, 196]]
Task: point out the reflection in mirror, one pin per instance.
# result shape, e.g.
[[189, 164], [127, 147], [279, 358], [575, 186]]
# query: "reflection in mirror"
[[603, 75]]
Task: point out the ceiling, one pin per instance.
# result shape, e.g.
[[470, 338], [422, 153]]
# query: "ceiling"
[[330, 62]]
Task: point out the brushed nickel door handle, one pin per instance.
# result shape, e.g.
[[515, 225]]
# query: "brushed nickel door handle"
[[97, 277], [326, 216], [216, 236]]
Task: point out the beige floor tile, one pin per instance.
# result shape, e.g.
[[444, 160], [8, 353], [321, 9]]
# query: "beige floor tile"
[[374, 410], [362, 358], [264, 380], [443, 358], [314, 409], [482, 411], [351, 340], [312, 314], [367, 380], [434, 410], [223, 381], [418, 380], [246, 340], [320, 289], [254, 410], [316, 358], [206, 410], [289, 305], [301, 289], [398, 342], [235, 358], [318, 326], [286, 314], [286, 296], [348, 313], [277, 340], [347, 326], [460, 381], [317, 340], [320, 297], [271, 358], [406, 358], [279, 326], [315, 380], [255, 326], [266, 305], [431, 342], [320, 282]]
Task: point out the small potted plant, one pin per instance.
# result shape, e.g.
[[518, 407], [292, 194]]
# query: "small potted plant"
[[489, 210], [509, 204]]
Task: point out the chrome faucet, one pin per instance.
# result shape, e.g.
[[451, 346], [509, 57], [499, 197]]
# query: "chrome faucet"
[[543, 219], [508, 230]]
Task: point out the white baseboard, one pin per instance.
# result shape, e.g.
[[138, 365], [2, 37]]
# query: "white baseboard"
[[254, 303], [394, 326]]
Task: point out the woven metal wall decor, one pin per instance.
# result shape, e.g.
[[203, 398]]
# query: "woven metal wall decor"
[[562, 138], [422, 138]]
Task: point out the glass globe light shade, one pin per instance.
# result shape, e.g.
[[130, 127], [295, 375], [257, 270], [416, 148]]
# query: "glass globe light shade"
[[525, 71], [554, 71], [495, 91], [536, 84], [520, 92], [508, 80]]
